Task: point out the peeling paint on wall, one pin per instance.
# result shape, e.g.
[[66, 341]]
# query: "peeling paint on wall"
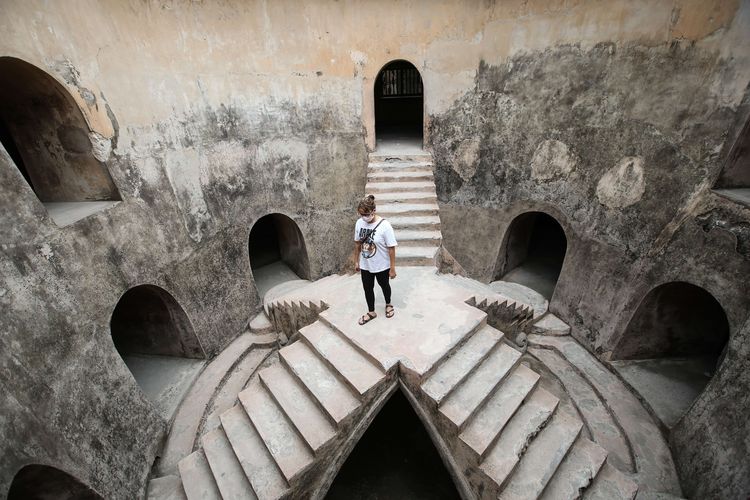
[[623, 185]]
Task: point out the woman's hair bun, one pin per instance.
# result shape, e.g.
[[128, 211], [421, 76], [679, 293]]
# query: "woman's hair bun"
[[370, 197]]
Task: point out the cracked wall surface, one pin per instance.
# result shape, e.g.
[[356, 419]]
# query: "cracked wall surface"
[[610, 116]]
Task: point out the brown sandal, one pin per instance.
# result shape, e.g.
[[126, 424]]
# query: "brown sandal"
[[369, 317], [389, 311]]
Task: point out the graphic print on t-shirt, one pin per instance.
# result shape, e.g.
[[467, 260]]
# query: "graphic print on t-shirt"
[[368, 244]]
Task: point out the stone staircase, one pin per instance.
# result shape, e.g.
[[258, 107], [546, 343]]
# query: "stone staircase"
[[291, 422], [404, 192]]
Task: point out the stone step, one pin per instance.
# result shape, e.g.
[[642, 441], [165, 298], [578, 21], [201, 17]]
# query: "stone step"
[[377, 156], [227, 471], [333, 395], [488, 423], [298, 405], [604, 429], [429, 222], [611, 484], [580, 467], [509, 448], [412, 209], [653, 458], [424, 174], [226, 397], [356, 370], [406, 197], [399, 187], [416, 256], [542, 458], [187, 420], [550, 324], [165, 488], [197, 479], [290, 452], [379, 167], [469, 396], [260, 324], [456, 368], [255, 459], [417, 238]]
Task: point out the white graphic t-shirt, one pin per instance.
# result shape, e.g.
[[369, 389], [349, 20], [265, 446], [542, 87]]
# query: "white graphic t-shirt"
[[375, 242]]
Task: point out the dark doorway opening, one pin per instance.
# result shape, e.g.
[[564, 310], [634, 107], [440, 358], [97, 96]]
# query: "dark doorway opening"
[[47, 137], [394, 459], [399, 100], [154, 337], [533, 252], [41, 482], [277, 252], [672, 347]]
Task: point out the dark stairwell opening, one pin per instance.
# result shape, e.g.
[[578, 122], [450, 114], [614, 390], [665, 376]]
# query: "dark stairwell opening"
[[399, 99], [277, 252], [394, 459], [48, 138], [672, 346], [155, 339], [42, 482], [533, 253]]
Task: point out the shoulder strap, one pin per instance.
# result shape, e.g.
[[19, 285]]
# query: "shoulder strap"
[[376, 225]]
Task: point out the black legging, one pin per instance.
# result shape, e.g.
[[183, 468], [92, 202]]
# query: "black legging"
[[368, 283]]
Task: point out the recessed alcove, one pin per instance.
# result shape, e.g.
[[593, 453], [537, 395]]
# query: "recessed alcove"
[[533, 252], [277, 252], [399, 99], [672, 347], [734, 181], [47, 137], [155, 339], [42, 482], [394, 458]]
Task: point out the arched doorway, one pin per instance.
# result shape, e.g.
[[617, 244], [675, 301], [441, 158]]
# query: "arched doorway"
[[155, 339], [277, 252], [533, 252], [42, 482], [672, 346], [47, 137], [399, 102]]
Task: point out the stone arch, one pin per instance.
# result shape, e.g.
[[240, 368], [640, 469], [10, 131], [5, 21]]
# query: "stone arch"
[[148, 320], [47, 136], [675, 319], [398, 94], [39, 482], [277, 251], [532, 252], [672, 346]]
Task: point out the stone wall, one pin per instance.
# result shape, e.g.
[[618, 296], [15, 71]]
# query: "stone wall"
[[610, 116]]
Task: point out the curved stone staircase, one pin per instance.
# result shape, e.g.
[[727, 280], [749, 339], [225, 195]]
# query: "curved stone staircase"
[[549, 422]]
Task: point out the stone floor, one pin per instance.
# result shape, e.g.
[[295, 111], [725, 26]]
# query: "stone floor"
[[669, 386], [164, 379], [66, 213], [270, 275]]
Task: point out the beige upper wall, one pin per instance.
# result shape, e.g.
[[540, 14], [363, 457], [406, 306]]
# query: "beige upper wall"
[[153, 59]]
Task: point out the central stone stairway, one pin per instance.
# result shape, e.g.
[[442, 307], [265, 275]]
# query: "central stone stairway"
[[404, 192]]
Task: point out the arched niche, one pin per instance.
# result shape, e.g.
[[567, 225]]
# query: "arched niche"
[[533, 252], [277, 252], [42, 482], [672, 346], [46, 135], [156, 340], [399, 105]]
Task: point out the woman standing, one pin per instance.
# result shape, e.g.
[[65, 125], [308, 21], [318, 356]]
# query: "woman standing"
[[375, 254]]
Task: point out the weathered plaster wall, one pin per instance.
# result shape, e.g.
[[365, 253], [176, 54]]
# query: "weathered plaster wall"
[[210, 115]]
